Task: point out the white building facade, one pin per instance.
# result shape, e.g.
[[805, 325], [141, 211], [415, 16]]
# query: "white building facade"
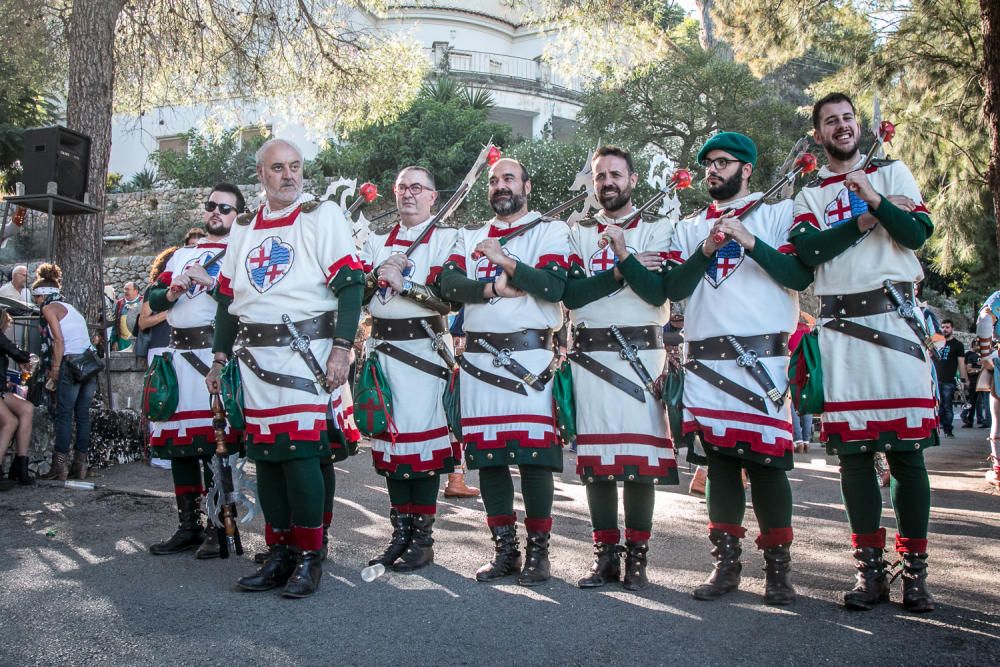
[[483, 45]]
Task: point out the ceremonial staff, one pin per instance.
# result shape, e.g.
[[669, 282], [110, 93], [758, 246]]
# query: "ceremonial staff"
[[679, 180], [223, 494], [487, 158], [805, 163]]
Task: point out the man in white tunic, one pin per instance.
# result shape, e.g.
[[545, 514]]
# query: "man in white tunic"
[[860, 228], [187, 438], [293, 259], [621, 423], [511, 291], [417, 449], [742, 279]]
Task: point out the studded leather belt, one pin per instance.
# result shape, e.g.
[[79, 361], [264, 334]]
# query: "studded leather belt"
[[277, 335], [719, 347], [602, 340], [406, 329], [192, 338], [518, 341], [862, 304]]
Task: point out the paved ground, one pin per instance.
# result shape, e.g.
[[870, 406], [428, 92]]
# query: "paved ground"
[[77, 585]]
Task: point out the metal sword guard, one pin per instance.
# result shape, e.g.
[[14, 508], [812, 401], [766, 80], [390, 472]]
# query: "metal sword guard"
[[747, 359]]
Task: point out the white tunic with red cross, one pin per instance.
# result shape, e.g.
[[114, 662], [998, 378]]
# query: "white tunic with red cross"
[[281, 263], [868, 389], [192, 421], [615, 430], [737, 297], [491, 416], [419, 441]]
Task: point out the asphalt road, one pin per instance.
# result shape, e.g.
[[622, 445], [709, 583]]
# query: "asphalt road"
[[77, 585]]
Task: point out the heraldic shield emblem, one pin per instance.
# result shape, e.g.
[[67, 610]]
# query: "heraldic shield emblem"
[[727, 260], [487, 271], [269, 262], [604, 260], [213, 271]]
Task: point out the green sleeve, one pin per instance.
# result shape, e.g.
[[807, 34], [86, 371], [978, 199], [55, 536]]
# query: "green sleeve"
[[787, 270], [814, 248], [349, 299], [583, 290], [681, 281], [647, 284], [225, 330], [910, 230], [457, 288], [546, 284], [157, 299]]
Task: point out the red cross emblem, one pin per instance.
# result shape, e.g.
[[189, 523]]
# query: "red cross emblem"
[[269, 262], [839, 209]]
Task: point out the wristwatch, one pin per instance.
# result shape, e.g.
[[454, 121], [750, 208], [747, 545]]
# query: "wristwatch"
[[407, 286]]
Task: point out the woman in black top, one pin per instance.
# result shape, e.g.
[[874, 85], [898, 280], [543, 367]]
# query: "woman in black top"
[[16, 414]]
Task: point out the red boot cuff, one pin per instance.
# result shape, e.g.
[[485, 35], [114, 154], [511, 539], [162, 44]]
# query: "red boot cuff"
[[607, 536], [911, 545], [308, 539], [538, 525], [502, 520], [633, 535], [874, 540], [733, 529], [774, 537], [274, 535]]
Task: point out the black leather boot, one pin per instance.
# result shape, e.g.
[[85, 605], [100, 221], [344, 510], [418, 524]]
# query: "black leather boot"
[[325, 549], [19, 471], [506, 555], [420, 553], [210, 545], [276, 570], [607, 566], [725, 578], [777, 564], [635, 565], [536, 560], [189, 533], [872, 585], [306, 577], [916, 597], [261, 556], [402, 533]]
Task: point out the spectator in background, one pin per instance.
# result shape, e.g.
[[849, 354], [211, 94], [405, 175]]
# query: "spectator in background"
[[802, 425], [16, 415], [17, 288], [126, 318], [64, 336], [152, 326], [192, 237], [951, 362], [978, 410]]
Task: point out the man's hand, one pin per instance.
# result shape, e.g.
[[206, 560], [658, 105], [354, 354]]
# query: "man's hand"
[[902, 202], [493, 251], [213, 381], [734, 229], [180, 284], [397, 260], [616, 238], [337, 366], [198, 275], [505, 289], [858, 183], [866, 221], [392, 275], [650, 259]]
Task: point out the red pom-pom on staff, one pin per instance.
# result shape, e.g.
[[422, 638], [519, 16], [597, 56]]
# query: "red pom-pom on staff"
[[368, 192], [886, 132], [493, 155]]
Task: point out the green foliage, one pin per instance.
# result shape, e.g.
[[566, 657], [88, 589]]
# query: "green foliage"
[[440, 131], [677, 104], [209, 160]]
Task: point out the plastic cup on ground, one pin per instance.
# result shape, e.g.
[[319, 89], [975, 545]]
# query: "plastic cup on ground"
[[372, 572]]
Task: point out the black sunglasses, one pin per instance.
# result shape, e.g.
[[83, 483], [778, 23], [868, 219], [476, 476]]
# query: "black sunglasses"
[[224, 209]]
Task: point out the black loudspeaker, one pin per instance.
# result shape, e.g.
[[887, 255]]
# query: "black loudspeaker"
[[55, 154]]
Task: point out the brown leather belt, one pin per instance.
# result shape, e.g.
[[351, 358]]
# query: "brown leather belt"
[[602, 340], [276, 335], [766, 345], [192, 338], [518, 341], [509, 383], [862, 304], [406, 329]]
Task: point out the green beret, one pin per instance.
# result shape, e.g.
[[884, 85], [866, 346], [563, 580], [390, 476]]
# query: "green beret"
[[740, 146]]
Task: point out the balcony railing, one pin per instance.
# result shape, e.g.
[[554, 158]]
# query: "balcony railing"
[[495, 65]]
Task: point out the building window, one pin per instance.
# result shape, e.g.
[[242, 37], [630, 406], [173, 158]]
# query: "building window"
[[173, 144]]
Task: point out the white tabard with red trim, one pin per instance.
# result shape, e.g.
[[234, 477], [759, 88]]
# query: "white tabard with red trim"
[[281, 264], [422, 443], [492, 416], [615, 430], [194, 308], [868, 389], [737, 297]]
